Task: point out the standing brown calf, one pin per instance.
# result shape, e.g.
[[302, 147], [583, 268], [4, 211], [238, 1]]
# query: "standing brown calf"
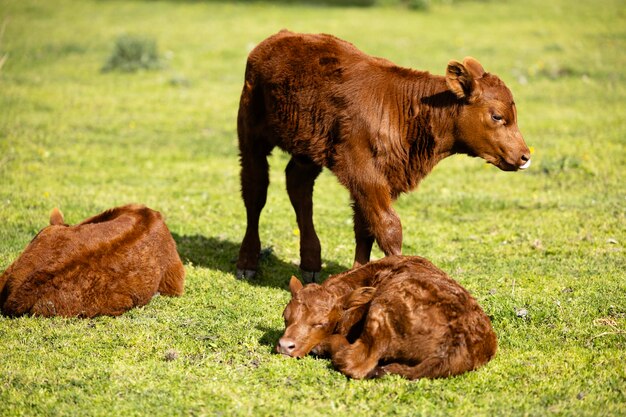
[[105, 265], [399, 315], [378, 127]]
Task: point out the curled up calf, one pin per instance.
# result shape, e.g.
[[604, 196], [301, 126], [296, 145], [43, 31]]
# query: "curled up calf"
[[399, 315], [105, 265]]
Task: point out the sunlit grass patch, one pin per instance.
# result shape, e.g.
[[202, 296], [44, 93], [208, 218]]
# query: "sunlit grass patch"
[[541, 250]]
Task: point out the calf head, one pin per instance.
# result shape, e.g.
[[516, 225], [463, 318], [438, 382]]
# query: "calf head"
[[314, 313], [487, 122]]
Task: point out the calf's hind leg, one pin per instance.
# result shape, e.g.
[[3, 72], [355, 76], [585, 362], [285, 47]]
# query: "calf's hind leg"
[[173, 279], [301, 174], [431, 367], [254, 183]]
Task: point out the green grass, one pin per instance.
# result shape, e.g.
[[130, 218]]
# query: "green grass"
[[549, 240]]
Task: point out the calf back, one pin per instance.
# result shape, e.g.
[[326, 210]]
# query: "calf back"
[[105, 265], [419, 312]]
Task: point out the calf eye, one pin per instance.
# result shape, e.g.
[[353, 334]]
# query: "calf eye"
[[496, 117]]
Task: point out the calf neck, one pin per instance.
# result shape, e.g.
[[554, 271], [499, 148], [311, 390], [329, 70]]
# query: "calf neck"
[[378, 127]]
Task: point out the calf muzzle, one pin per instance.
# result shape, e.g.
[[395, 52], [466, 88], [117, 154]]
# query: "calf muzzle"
[[525, 161], [286, 346]]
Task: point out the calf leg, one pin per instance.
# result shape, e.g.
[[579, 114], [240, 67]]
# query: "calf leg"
[[449, 357], [388, 231], [114, 305], [356, 360], [254, 183], [363, 237], [375, 219], [301, 174], [359, 359], [173, 279], [431, 367]]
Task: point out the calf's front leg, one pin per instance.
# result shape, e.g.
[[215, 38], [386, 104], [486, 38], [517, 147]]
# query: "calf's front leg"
[[363, 237], [375, 219], [356, 360]]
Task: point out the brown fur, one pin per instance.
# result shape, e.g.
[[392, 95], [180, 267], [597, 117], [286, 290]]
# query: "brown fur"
[[105, 265], [400, 315], [378, 127]]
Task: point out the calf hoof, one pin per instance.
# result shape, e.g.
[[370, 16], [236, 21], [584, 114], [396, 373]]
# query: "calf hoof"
[[245, 274], [321, 350], [377, 372], [317, 350], [309, 276]]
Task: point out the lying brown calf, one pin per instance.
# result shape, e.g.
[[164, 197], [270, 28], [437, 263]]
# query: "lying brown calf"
[[400, 315], [105, 265]]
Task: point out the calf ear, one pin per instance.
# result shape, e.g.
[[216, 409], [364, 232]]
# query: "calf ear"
[[359, 297], [461, 78], [294, 285], [56, 217]]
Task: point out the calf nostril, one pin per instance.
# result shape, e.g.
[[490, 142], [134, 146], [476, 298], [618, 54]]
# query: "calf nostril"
[[525, 162], [286, 346]]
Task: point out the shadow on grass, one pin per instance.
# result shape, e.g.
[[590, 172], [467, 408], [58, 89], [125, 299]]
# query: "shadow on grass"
[[221, 255], [270, 337]]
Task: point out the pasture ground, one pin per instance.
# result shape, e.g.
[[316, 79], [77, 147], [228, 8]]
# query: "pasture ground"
[[542, 250]]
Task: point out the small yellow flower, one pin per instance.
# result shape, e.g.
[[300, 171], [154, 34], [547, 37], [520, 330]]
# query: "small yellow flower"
[[296, 232], [532, 149]]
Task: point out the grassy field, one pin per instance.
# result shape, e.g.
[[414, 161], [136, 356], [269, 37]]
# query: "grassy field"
[[542, 250]]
